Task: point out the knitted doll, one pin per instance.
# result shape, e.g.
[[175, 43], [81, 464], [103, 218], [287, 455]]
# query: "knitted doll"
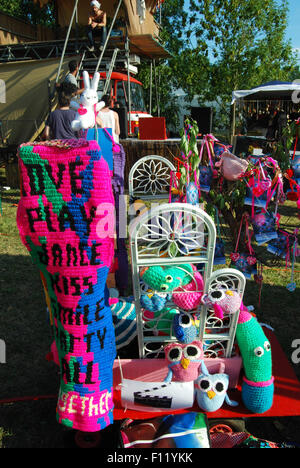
[[185, 361], [258, 383], [185, 327], [223, 301], [211, 391], [167, 279], [183, 281]]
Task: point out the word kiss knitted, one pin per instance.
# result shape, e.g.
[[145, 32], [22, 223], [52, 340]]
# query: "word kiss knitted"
[[62, 191]]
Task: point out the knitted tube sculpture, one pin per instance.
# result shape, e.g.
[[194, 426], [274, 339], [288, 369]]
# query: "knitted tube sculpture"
[[258, 382], [65, 197]]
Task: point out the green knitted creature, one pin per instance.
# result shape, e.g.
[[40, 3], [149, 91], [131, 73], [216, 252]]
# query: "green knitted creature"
[[258, 383], [169, 278]]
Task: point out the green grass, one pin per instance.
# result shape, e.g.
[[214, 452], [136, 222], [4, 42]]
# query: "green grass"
[[25, 329]]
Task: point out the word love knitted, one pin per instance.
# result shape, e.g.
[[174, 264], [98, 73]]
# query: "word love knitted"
[[63, 191]]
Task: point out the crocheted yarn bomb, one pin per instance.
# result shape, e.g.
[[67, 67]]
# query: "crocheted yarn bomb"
[[255, 349], [185, 327], [189, 296], [168, 278]]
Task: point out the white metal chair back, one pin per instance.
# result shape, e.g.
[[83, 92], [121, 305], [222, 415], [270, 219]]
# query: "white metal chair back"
[[150, 178], [218, 335], [168, 235]]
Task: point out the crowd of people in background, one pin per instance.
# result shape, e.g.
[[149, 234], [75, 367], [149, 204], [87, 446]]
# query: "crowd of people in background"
[[59, 123]]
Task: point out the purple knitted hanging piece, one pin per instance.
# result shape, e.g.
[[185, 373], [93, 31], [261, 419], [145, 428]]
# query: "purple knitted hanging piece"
[[121, 275]]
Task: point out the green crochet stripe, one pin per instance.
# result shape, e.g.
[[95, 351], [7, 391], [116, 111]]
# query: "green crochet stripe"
[[65, 422], [250, 336], [29, 157]]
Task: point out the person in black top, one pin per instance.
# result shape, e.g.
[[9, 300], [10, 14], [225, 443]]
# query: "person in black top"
[[58, 125]]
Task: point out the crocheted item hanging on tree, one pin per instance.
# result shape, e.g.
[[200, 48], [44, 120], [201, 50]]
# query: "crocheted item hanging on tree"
[[64, 221]]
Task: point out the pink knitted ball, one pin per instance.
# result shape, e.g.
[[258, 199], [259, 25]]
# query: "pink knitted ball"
[[189, 297]]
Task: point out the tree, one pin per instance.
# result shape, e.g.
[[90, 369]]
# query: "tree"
[[245, 40], [29, 11], [186, 68]]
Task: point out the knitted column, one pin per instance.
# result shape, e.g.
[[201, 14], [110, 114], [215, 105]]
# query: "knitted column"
[[258, 382], [65, 219]]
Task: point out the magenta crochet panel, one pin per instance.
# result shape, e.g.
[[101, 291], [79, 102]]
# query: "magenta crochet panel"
[[63, 220]]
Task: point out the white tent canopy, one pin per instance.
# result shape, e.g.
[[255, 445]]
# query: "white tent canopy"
[[272, 90]]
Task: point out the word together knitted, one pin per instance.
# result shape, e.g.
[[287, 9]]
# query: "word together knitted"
[[61, 223]]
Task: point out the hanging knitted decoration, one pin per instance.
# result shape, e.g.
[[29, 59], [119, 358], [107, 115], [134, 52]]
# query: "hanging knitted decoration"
[[192, 194], [245, 262], [264, 227], [65, 219]]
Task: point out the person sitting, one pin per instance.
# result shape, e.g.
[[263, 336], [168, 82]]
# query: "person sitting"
[[96, 25], [58, 125], [107, 118]]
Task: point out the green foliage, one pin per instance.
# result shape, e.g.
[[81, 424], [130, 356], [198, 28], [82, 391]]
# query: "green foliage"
[[246, 41], [219, 46], [29, 11], [282, 148], [181, 70], [189, 148]]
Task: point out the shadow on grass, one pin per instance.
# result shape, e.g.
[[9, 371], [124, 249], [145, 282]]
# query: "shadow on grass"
[[25, 329]]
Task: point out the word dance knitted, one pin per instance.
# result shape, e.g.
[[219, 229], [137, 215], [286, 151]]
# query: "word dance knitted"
[[61, 220]]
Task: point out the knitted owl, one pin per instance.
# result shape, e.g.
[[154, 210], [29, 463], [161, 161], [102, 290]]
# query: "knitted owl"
[[167, 279], [185, 327], [224, 301], [211, 391], [184, 361]]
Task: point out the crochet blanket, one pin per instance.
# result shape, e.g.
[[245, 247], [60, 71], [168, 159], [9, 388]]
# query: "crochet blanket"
[[65, 221]]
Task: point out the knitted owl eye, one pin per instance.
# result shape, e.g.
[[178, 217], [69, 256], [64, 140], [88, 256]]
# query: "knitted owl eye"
[[185, 320], [175, 354], [217, 295], [219, 388], [169, 278], [192, 352], [259, 351], [164, 287], [267, 346], [204, 384]]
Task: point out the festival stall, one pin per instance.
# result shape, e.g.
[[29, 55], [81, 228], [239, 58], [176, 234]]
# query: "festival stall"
[[202, 353], [260, 113]]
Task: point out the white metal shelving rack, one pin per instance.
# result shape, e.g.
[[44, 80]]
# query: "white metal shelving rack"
[[176, 234]]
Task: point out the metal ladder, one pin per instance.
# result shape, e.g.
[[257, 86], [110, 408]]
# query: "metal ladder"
[[111, 67], [74, 15]]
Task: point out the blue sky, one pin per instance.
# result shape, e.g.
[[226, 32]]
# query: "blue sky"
[[293, 30]]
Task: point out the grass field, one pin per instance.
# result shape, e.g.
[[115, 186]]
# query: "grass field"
[[26, 332]]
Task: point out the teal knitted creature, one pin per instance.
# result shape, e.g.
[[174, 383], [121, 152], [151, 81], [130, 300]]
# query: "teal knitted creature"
[[255, 348], [169, 278]]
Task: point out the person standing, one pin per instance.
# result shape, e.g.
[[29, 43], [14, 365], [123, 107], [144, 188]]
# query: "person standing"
[[107, 118], [71, 77], [96, 25], [59, 123]]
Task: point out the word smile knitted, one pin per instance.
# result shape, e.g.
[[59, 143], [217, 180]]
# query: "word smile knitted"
[[61, 188]]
